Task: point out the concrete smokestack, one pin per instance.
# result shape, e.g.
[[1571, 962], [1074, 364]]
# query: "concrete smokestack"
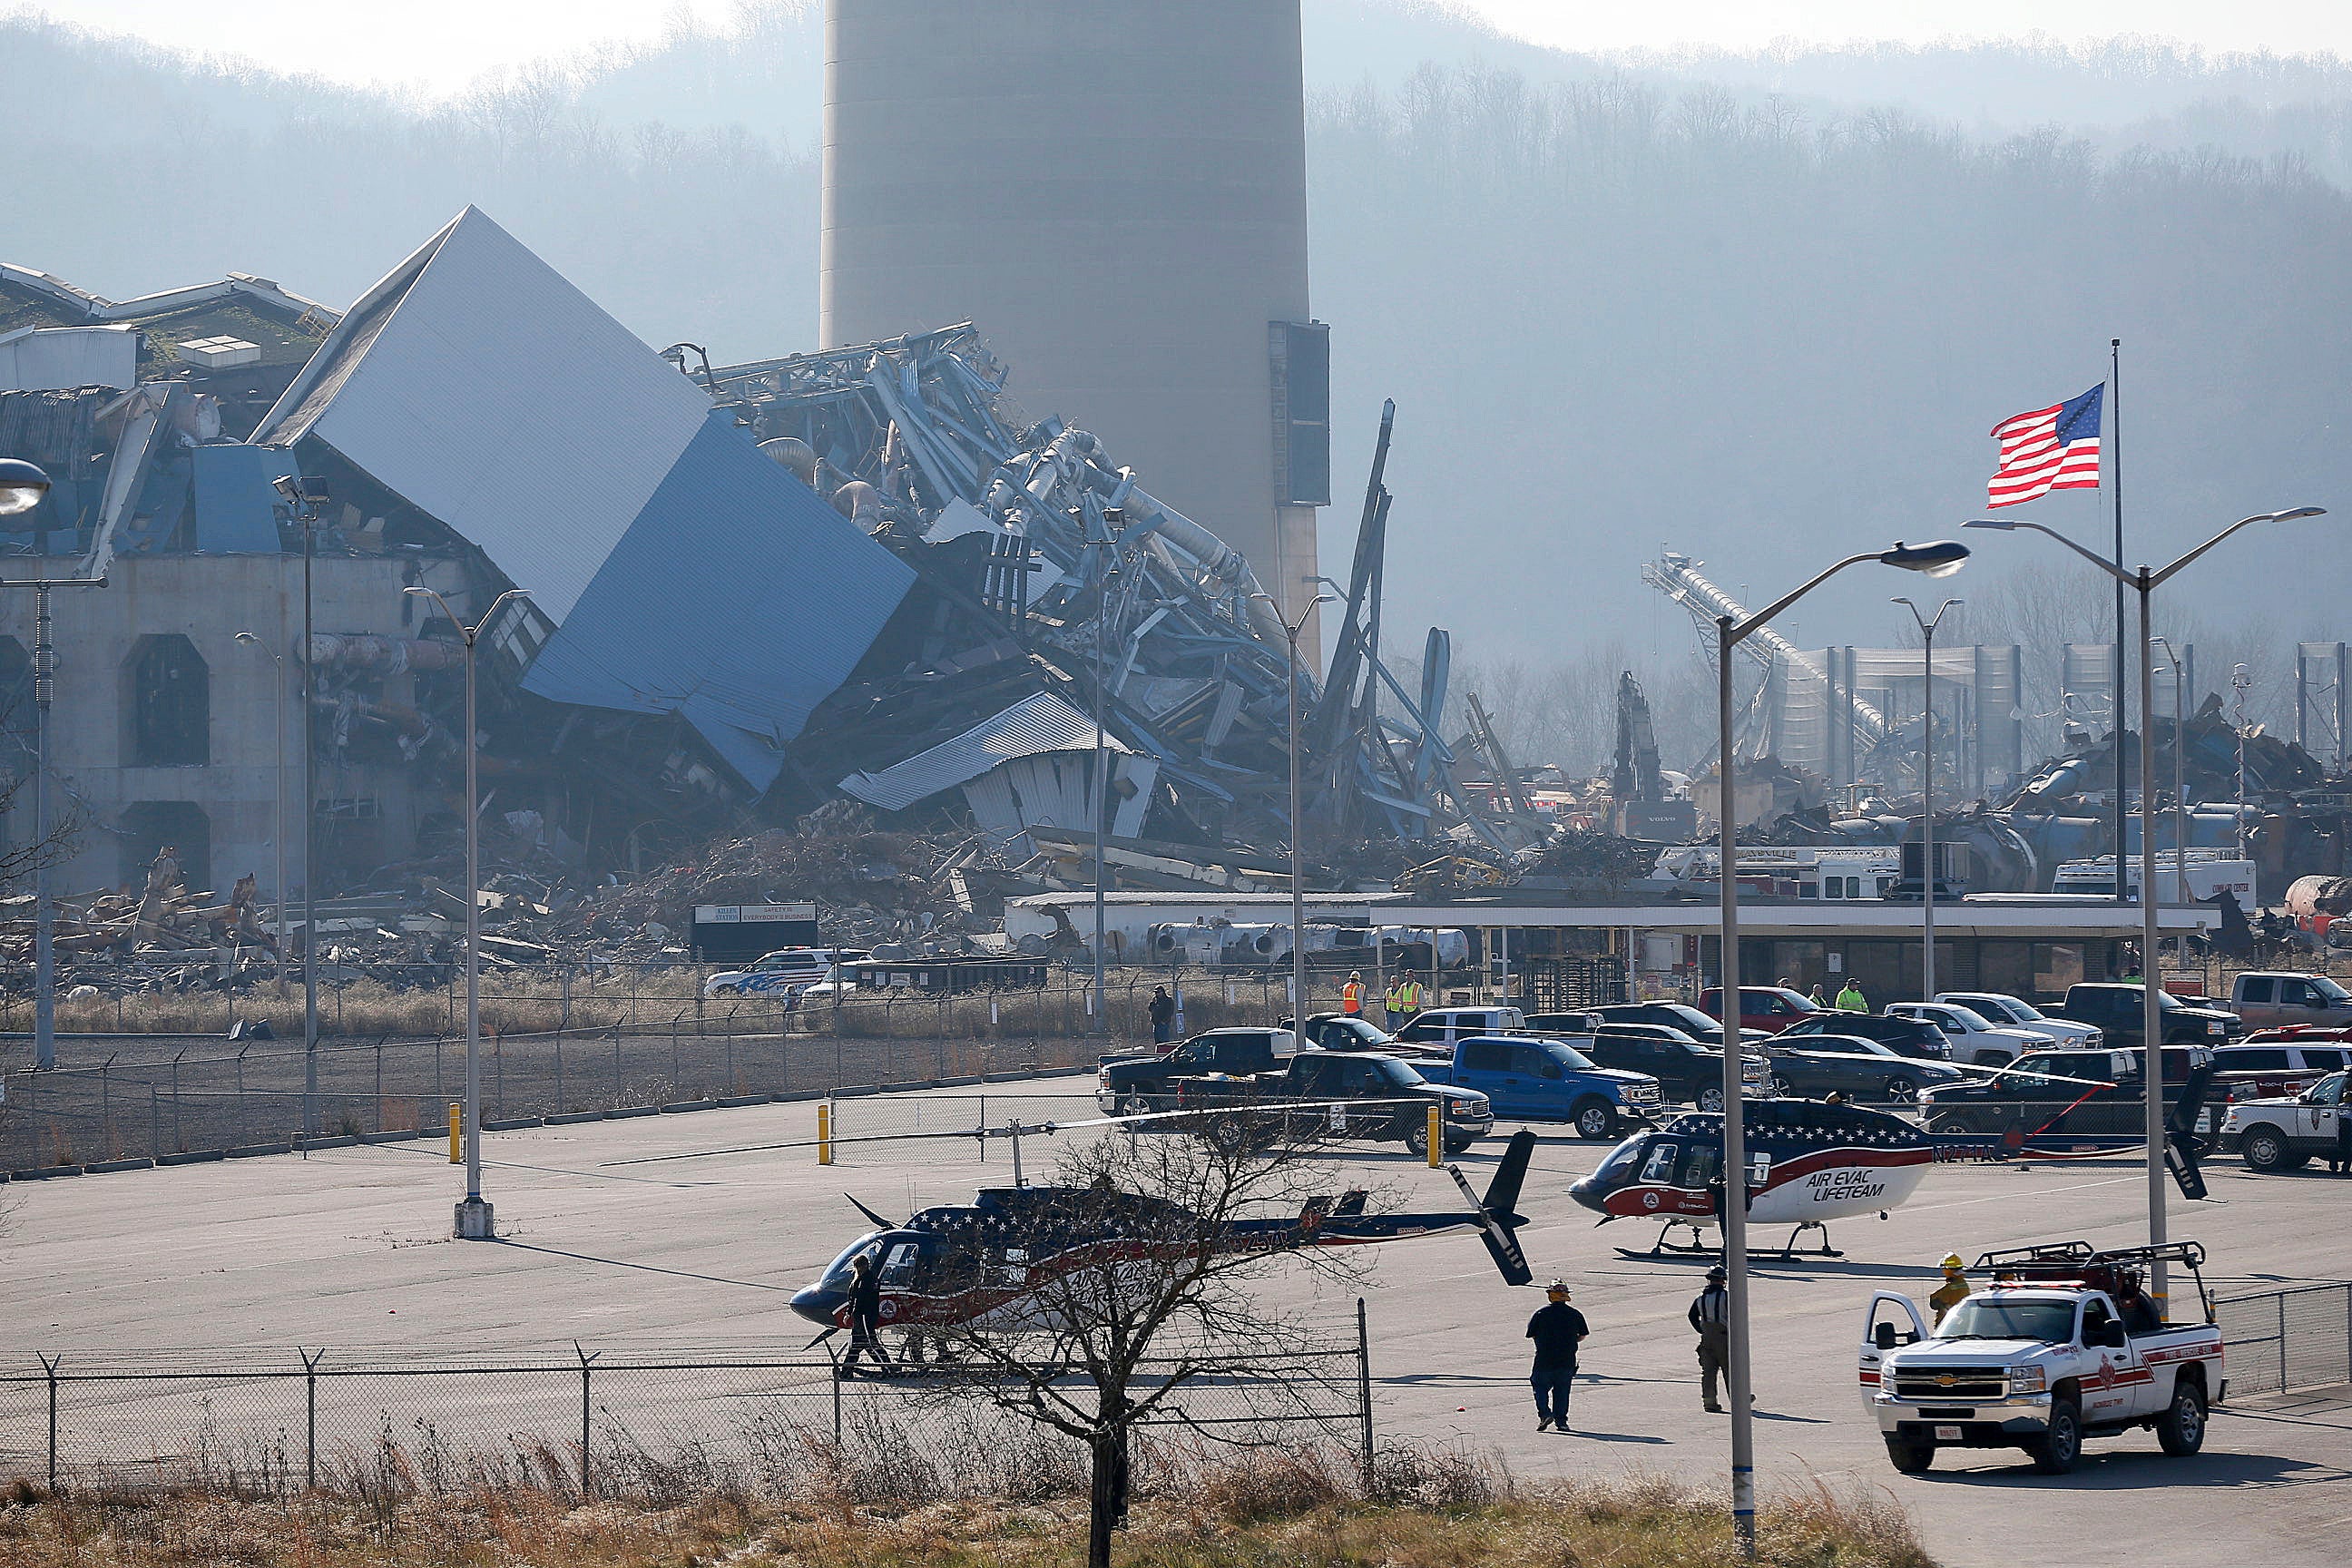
[[1115, 191]]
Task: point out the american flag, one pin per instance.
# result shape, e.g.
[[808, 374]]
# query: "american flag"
[[2055, 449]]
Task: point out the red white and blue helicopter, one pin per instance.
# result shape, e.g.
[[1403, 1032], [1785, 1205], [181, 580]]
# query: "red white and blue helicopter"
[[984, 1262], [1812, 1161]]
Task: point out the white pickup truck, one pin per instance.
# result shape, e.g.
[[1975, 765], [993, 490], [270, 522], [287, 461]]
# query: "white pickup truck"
[[2065, 1344]]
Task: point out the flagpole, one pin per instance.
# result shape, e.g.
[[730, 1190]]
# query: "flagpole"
[[2114, 454]]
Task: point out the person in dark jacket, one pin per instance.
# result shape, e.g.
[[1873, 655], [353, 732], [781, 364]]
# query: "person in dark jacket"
[[1710, 1319], [865, 1312], [1163, 1014], [1557, 1328]]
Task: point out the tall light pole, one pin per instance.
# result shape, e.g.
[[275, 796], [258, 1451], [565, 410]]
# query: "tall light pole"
[[22, 486], [1290, 633], [302, 497], [253, 640], [475, 1221], [1927, 790], [1939, 560], [2179, 771], [2241, 682], [2151, 1021]]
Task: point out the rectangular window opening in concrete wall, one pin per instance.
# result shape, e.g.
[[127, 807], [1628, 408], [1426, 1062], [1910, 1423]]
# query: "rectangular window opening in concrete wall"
[[169, 704]]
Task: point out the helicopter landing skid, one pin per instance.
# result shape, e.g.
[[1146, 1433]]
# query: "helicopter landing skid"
[[1665, 1245], [1824, 1251]]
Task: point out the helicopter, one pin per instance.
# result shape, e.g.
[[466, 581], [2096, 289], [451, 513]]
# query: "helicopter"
[[1811, 1162], [984, 1262]]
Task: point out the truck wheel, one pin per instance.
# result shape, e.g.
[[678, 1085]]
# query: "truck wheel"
[[1903, 1090], [1416, 1139], [1132, 1104], [2263, 1149], [1711, 1098], [1911, 1458], [1459, 1145], [1595, 1120], [1228, 1135], [1780, 1088], [2180, 1430], [2055, 1452], [1995, 1059]]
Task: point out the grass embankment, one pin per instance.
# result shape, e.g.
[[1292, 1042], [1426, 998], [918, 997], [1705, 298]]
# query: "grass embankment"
[[1274, 1514]]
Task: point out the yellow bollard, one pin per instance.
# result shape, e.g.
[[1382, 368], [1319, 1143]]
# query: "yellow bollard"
[[456, 1133], [1436, 1138], [825, 1132]]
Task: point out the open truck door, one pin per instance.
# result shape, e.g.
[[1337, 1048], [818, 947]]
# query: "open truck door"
[[1892, 1322]]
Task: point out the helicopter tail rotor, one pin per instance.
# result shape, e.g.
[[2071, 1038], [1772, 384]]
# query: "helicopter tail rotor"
[[1498, 1225]]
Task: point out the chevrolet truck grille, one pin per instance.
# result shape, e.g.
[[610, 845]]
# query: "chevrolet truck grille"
[[1953, 1383]]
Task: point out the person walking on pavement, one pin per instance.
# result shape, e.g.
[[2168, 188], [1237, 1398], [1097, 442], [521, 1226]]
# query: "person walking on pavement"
[[1163, 1014], [865, 1313], [1851, 999], [1710, 1319], [1351, 995], [1557, 1328], [1952, 1291]]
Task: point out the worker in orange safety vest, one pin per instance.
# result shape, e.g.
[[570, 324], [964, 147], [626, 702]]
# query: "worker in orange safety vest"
[[1351, 995]]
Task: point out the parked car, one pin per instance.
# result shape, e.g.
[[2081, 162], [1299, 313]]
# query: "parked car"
[[1343, 1032], [1444, 1026], [1680, 1015], [1910, 1037], [1770, 1008], [2267, 998], [1816, 1065], [1685, 1069], [1129, 1086], [2286, 1132], [2016, 1013], [2054, 1094], [1529, 1077], [2260, 1069], [1379, 1098], [2114, 1008], [1968, 1035], [786, 970], [1573, 1023]]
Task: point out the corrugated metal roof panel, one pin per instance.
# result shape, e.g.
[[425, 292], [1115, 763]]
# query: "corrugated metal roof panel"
[[235, 508], [736, 598], [1034, 725], [484, 388]]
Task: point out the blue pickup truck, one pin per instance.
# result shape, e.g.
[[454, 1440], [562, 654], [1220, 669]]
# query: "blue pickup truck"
[[1531, 1077]]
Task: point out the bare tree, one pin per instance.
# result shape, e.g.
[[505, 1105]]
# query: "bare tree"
[[1129, 1279]]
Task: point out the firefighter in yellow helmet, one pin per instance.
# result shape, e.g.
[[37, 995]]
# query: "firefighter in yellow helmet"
[[1953, 1291]]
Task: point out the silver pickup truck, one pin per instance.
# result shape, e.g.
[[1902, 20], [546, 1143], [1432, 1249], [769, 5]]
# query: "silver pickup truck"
[[2065, 1344]]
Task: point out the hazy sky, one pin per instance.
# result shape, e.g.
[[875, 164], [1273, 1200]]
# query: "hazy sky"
[[439, 45]]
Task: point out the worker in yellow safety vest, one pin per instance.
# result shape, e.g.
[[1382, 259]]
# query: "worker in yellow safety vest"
[[1953, 1289], [1409, 996], [1393, 999], [1351, 995]]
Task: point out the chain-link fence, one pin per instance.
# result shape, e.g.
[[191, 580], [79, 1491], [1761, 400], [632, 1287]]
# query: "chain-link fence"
[[615, 1421], [2281, 1339]]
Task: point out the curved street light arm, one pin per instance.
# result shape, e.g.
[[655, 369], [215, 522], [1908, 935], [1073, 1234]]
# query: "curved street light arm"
[[2260, 516], [1739, 631]]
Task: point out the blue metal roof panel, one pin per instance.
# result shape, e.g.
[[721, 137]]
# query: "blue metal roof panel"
[[1029, 728], [235, 508], [736, 598]]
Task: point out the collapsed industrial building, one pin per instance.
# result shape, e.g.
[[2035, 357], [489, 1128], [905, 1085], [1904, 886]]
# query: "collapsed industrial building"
[[748, 591]]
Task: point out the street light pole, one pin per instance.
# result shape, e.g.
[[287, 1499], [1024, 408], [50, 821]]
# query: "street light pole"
[[475, 1218], [2241, 682], [2179, 771], [279, 834], [1098, 1019], [22, 487], [1291, 631], [1941, 560], [2145, 583], [302, 497], [1927, 791]]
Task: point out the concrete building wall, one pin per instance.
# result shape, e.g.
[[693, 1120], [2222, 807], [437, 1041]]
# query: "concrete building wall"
[[117, 796], [1115, 191]]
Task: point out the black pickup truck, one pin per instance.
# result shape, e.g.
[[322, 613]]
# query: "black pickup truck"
[[1127, 1086], [1363, 1095], [2114, 1008]]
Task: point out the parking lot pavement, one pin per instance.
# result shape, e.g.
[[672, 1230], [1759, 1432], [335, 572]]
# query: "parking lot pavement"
[[349, 1248]]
